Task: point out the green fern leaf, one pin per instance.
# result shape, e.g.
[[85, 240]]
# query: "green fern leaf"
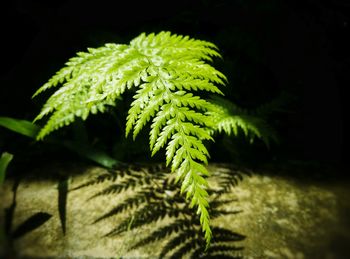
[[176, 71], [231, 119], [168, 72]]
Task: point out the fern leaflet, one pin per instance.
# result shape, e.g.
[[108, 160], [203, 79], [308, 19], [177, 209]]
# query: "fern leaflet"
[[229, 118]]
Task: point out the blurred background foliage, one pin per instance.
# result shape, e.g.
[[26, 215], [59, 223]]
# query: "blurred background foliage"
[[291, 55]]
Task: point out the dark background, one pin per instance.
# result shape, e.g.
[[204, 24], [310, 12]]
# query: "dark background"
[[269, 47]]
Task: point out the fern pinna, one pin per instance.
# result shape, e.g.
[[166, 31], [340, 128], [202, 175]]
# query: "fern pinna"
[[168, 71]]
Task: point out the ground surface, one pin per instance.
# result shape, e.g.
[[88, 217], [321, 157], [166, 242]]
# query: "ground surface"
[[279, 216]]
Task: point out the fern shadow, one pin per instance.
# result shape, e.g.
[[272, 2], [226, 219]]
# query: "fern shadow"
[[156, 200], [12, 233]]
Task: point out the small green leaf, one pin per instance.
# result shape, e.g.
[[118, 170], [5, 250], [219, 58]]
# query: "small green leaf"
[[23, 127], [31, 130], [5, 159], [92, 154]]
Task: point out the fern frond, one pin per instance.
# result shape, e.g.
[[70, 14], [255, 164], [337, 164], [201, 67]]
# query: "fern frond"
[[231, 119], [90, 81], [77, 65], [168, 72], [176, 69]]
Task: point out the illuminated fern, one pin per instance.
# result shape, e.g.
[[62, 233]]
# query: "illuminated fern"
[[167, 71]]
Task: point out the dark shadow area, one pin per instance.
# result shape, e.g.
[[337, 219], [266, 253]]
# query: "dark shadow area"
[[11, 210], [156, 197], [28, 225], [62, 201]]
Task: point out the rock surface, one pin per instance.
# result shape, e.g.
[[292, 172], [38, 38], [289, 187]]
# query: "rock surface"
[[274, 216]]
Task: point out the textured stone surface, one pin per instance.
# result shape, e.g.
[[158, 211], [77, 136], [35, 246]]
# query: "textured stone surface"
[[279, 216]]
